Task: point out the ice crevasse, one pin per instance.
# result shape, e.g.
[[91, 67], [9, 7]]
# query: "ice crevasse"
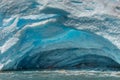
[[59, 34]]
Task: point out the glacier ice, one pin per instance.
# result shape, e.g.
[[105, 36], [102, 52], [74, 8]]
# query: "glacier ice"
[[59, 34]]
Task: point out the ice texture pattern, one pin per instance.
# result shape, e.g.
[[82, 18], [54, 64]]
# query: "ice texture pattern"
[[59, 34]]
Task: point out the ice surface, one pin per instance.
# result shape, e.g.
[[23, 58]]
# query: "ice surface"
[[59, 34]]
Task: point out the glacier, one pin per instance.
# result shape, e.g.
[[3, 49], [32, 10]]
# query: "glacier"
[[59, 34]]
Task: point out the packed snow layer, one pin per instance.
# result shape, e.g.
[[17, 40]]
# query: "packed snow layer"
[[59, 34]]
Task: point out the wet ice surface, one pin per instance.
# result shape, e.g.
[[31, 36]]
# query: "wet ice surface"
[[60, 75]]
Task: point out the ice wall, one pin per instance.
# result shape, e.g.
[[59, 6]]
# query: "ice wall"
[[59, 34]]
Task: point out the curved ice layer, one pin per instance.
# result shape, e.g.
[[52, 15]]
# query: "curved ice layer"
[[62, 34]]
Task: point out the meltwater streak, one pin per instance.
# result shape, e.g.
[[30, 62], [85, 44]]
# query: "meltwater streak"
[[59, 34]]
